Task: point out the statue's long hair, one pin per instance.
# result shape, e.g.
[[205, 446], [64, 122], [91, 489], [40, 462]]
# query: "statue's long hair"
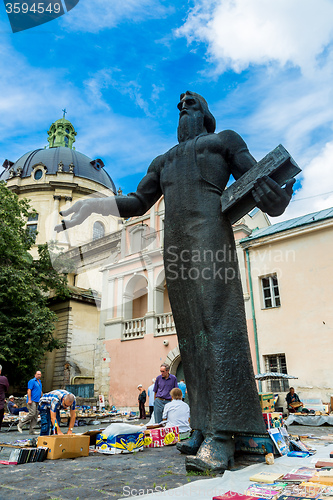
[[209, 120]]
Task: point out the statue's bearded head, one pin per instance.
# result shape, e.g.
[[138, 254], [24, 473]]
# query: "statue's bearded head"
[[194, 116]]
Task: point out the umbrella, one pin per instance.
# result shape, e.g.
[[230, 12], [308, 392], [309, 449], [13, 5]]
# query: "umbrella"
[[273, 375]]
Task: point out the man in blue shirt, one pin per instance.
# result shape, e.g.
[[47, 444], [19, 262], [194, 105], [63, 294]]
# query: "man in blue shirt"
[[49, 409], [35, 392], [163, 385], [182, 387]]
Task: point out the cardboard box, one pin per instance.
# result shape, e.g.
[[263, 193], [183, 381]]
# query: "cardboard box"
[[266, 402], [259, 444], [162, 436], [272, 420], [65, 446], [122, 443], [93, 435]]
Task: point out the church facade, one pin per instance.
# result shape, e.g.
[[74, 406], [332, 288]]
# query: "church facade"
[[53, 178]]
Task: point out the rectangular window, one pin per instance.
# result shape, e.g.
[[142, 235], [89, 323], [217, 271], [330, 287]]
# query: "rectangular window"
[[32, 225], [32, 230], [276, 363], [33, 217], [270, 291]]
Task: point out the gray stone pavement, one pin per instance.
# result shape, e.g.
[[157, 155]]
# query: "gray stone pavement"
[[108, 476]]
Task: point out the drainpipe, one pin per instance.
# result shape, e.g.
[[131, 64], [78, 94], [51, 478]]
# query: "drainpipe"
[[253, 313]]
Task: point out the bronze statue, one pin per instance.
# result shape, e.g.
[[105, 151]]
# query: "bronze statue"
[[202, 274]]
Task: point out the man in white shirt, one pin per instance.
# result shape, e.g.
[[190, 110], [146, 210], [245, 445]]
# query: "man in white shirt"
[[177, 413]]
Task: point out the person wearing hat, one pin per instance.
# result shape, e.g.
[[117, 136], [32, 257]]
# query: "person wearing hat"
[[13, 408], [142, 399]]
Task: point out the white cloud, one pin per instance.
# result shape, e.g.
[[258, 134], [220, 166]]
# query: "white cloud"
[[114, 78], [291, 109], [95, 85], [317, 187], [94, 16], [286, 94], [299, 114], [240, 33]]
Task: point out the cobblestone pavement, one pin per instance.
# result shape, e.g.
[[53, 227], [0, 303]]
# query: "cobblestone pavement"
[[107, 476]]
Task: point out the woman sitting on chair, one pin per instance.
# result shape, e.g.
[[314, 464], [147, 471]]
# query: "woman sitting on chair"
[[293, 401]]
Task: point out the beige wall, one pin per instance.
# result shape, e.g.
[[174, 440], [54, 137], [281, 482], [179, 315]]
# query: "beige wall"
[[84, 337], [41, 195], [77, 327], [302, 327]]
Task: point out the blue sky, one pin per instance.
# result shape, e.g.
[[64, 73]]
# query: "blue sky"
[[265, 67]]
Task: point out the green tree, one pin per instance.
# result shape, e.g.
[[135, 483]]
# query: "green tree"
[[26, 322]]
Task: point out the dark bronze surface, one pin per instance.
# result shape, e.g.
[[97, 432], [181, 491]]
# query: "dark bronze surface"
[[202, 272]]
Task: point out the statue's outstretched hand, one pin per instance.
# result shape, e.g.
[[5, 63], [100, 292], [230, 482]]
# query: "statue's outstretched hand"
[[81, 210], [270, 197]]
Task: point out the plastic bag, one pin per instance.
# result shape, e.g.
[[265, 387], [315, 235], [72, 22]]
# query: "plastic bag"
[[116, 429]]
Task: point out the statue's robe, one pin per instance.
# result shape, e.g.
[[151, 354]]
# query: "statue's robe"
[[204, 286]]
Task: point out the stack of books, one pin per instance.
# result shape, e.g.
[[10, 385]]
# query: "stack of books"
[[25, 455]]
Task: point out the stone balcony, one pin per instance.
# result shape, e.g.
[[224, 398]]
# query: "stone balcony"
[[136, 328]]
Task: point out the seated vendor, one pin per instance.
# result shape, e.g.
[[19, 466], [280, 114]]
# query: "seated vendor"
[[293, 401], [13, 408], [177, 412]]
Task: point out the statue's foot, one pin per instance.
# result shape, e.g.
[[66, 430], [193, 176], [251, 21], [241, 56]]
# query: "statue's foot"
[[192, 445], [215, 454]]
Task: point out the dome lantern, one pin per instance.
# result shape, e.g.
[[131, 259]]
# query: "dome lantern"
[[61, 133]]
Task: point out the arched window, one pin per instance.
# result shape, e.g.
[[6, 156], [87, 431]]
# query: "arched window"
[[98, 230]]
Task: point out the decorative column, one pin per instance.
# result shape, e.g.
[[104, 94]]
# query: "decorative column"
[[109, 299], [113, 327], [120, 305], [153, 229], [56, 204], [150, 315]]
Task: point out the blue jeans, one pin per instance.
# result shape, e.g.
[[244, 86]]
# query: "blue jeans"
[[45, 421], [159, 405], [16, 411]]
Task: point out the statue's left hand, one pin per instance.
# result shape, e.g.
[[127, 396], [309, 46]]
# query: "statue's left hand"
[[270, 197], [80, 210]]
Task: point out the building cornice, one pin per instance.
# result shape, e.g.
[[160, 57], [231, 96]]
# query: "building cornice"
[[138, 258], [52, 185], [99, 245], [287, 234]]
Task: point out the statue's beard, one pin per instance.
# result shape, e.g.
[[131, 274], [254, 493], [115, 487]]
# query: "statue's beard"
[[190, 126]]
